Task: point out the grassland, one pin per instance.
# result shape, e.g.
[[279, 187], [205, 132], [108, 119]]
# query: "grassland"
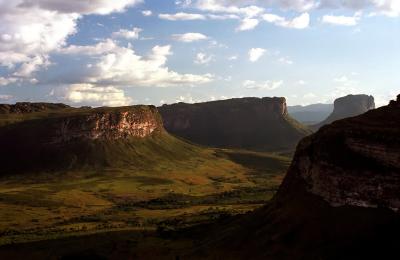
[[170, 194]]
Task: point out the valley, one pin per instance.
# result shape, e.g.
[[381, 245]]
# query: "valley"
[[205, 187]]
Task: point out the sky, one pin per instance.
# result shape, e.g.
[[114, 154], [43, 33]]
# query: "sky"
[[127, 52]]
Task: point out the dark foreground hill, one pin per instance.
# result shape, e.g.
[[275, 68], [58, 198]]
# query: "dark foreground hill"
[[339, 200], [52, 137], [348, 106], [250, 123]]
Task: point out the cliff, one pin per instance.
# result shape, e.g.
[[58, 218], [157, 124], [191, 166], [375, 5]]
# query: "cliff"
[[348, 106], [83, 138], [250, 123], [339, 200], [26, 107]]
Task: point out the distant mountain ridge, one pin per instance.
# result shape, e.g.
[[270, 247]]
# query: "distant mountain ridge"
[[310, 114], [248, 123]]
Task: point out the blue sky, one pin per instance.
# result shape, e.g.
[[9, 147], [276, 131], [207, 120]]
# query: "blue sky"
[[163, 51]]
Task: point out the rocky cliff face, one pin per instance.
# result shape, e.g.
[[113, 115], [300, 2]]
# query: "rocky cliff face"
[[74, 138], [353, 163], [348, 106], [339, 200], [252, 123], [110, 125]]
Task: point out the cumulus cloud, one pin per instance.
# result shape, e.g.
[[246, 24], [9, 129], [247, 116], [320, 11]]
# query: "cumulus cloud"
[[114, 65], [256, 53], [95, 95], [147, 13], [300, 22], [31, 29], [203, 59], [267, 85], [189, 37], [128, 34], [181, 17], [247, 24], [342, 20]]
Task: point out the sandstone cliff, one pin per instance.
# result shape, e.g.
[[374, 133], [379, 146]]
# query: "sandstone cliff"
[[348, 106], [339, 200], [250, 123], [76, 138]]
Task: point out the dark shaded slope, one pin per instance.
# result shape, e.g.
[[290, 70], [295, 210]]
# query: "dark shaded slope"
[[250, 123], [87, 139], [339, 200]]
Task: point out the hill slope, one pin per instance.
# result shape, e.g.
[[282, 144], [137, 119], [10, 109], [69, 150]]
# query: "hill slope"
[[250, 123], [69, 138], [339, 199]]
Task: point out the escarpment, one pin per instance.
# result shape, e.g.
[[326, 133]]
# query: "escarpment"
[[339, 200], [348, 106], [354, 162], [250, 123], [109, 125], [79, 138]]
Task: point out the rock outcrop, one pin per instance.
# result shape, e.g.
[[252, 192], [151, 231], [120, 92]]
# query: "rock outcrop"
[[339, 200], [26, 107], [74, 138], [250, 123], [348, 106], [139, 122]]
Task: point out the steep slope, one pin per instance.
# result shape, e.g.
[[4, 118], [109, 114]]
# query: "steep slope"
[[339, 200], [310, 114], [86, 138], [348, 106], [250, 123]]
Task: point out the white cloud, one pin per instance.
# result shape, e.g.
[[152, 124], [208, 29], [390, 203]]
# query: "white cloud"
[[147, 13], [128, 34], [7, 80], [203, 59], [285, 60], [268, 85], [301, 82], [346, 81], [189, 37], [223, 16], [233, 57], [342, 20], [256, 53], [79, 6], [300, 22], [181, 17], [5, 97], [31, 30], [104, 96], [247, 24], [111, 64]]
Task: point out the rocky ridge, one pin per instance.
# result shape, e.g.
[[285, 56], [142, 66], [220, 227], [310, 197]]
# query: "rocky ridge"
[[250, 123], [339, 200], [348, 106]]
